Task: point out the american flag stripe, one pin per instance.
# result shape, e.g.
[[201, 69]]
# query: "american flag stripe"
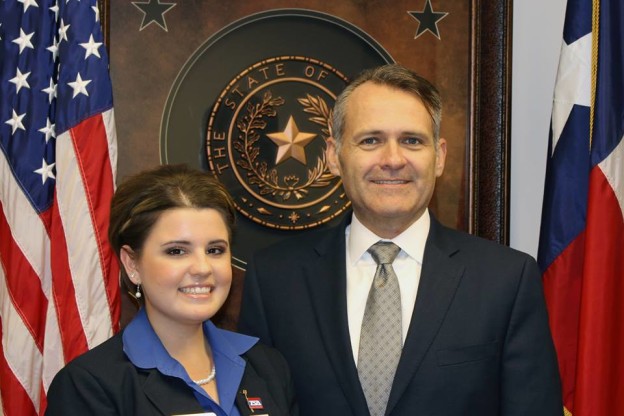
[[72, 334], [111, 135], [53, 353], [25, 256], [26, 287], [21, 367], [96, 159], [78, 190], [23, 285], [20, 216], [18, 402]]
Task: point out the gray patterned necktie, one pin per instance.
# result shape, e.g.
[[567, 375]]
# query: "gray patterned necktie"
[[381, 340]]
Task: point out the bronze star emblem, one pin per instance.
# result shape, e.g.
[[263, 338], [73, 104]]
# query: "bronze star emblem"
[[291, 142]]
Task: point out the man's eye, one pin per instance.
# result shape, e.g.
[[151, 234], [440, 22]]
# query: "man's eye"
[[369, 140], [412, 140]]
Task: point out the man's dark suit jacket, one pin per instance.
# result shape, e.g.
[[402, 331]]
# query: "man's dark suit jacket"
[[478, 342], [104, 382]]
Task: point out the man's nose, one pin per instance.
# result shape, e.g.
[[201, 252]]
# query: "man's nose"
[[392, 154]]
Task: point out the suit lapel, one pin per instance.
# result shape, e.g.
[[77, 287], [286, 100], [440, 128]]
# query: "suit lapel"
[[439, 280], [326, 279], [170, 395]]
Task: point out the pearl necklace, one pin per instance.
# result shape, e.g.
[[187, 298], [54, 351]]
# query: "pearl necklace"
[[208, 379]]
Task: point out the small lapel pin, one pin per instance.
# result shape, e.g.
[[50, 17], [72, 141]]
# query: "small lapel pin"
[[254, 403]]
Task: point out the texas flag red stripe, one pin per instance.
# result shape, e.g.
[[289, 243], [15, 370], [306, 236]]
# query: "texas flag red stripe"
[[601, 328]]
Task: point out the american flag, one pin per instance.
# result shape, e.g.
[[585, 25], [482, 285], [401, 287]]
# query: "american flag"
[[59, 292], [581, 247]]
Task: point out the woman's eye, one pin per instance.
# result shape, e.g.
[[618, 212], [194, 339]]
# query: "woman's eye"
[[175, 251], [216, 250]]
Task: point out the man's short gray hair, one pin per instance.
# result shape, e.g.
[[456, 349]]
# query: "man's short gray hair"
[[394, 76]]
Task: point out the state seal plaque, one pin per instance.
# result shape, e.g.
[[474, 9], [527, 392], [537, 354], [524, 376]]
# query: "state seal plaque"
[[266, 139], [253, 105]]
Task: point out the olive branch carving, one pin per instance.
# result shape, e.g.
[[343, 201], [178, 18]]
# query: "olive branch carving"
[[321, 114], [268, 180]]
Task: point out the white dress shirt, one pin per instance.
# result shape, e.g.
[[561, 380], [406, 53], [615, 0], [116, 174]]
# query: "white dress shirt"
[[361, 271]]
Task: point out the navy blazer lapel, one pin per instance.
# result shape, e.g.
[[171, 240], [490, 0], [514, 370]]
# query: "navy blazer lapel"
[[439, 280], [170, 395], [327, 284]]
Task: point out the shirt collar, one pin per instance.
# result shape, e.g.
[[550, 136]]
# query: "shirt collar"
[[412, 240], [145, 350]]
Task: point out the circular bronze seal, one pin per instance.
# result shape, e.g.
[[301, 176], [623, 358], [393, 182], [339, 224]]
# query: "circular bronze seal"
[[266, 140], [252, 105]]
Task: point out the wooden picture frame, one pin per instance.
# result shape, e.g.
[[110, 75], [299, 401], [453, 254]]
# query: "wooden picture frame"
[[490, 120]]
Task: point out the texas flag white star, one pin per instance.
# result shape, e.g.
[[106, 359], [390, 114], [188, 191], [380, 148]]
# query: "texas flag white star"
[[91, 47], [573, 83], [45, 171], [79, 86]]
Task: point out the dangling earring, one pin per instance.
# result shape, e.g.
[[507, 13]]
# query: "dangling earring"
[[137, 294]]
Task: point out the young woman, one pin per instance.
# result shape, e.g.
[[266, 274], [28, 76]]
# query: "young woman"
[[171, 228]]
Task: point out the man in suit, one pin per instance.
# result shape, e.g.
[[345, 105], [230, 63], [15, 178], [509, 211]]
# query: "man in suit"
[[473, 327]]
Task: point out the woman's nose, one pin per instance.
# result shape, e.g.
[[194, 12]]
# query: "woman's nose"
[[200, 265]]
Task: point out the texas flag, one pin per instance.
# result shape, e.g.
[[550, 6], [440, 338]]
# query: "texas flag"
[[581, 250]]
